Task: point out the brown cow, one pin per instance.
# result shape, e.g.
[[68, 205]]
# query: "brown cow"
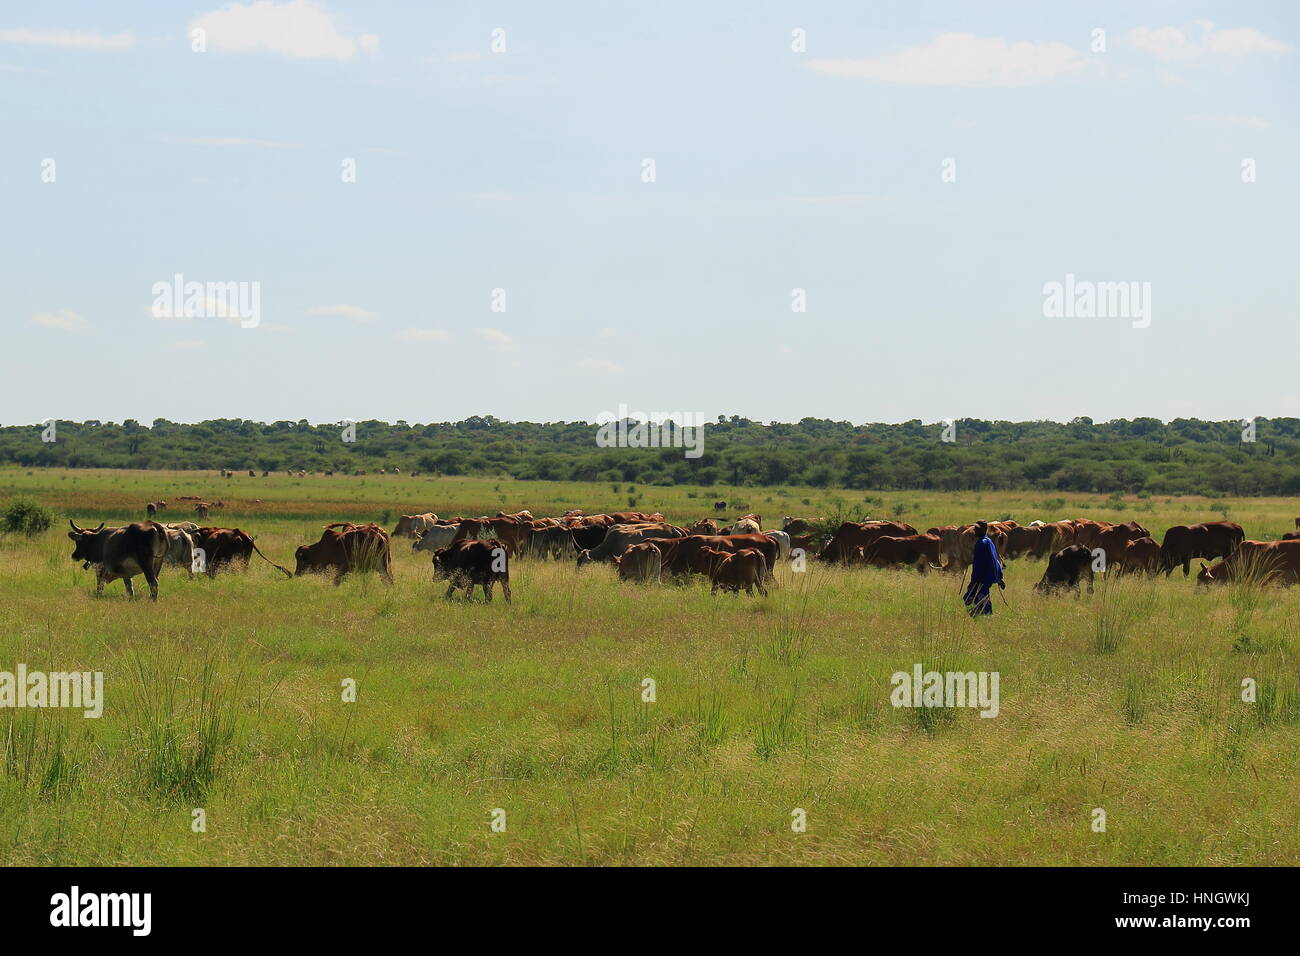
[[1031, 541], [704, 526], [1141, 556], [1114, 541], [511, 532], [918, 551], [1273, 562], [1183, 543], [228, 547], [852, 535], [745, 568], [680, 554], [345, 547]]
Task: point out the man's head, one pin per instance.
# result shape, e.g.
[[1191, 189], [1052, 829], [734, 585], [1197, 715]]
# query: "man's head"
[[981, 528]]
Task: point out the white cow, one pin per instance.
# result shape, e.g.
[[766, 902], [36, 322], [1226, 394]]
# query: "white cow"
[[180, 549], [432, 539], [782, 543]]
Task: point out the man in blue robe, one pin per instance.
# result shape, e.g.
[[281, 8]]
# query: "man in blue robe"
[[985, 571]]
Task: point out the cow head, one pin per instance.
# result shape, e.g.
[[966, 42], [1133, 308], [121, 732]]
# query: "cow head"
[[88, 548], [302, 559], [584, 557]]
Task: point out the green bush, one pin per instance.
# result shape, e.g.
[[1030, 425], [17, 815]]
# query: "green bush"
[[27, 517]]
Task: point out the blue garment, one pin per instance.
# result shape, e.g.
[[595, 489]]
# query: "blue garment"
[[985, 567], [986, 571]]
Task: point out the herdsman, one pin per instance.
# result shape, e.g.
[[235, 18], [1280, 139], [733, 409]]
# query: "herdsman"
[[985, 571]]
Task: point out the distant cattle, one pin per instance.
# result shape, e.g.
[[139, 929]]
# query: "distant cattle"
[[344, 548], [201, 509], [852, 535], [722, 506], [471, 563], [151, 509], [641, 562], [1185, 543], [412, 526], [1065, 569], [114, 553], [620, 537]]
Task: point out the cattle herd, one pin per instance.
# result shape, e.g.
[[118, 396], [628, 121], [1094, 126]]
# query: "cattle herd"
[[477, 552]]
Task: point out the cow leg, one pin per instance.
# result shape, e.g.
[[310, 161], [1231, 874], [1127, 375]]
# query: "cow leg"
[[762, 590], [152, 578], [487, 590], [99, 583], [130, 588], [505, 589], [1187, 567], [450, 590]]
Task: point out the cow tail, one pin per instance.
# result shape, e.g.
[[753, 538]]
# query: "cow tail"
[[287, 572]]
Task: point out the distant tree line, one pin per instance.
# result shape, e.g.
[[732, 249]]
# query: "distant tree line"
[[1139, 456]]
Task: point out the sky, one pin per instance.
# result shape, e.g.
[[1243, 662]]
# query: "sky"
[[548, 212]]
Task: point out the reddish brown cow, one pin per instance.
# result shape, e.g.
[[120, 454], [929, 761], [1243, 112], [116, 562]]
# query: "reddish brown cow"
[[345, 547], [1141, 556], [1272, 562], [916, 550], [228, 548], [852, 535], [745, 568], [511, 532]]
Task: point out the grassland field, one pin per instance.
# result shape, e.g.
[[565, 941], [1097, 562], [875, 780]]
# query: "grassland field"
[[226, 695]]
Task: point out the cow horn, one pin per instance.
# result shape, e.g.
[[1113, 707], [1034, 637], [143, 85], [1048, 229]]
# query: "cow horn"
[[100, 528], [74, 526]]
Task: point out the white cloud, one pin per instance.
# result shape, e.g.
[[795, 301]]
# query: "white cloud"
[[67, 319], [425, 335], [299, 29], [963, 59], [1201, 38], [69, 39], [353, 312], [600, 365], [499, 339]]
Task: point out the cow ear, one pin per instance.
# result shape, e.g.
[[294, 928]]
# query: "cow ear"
[[72, 535]]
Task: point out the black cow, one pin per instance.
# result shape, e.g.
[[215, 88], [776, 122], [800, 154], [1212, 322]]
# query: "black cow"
[[471, 563], [121, 553], [1065, 569]]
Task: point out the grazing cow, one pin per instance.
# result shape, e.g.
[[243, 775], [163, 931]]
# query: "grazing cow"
[[620, 537], [1065, 569], [229, 547], [520, 515], [681, 554], [412, 526], [471, 563], [745, 568], [1031, 541], [704, 526], [1141, 556], [551, 541], [1184, 543], [852, 535], [511, 532], [189, 527], [796, 526], [121, 553], [435, 539], [1256, 561], [201, 509], [180, 549], [1063, 534], [722, 506], [1291, 536], [587, 537], [641, 562], [745, 526], [345, 547], [918, 551], [1114, 541], [151, 509], [957, 545], [1086, 532]]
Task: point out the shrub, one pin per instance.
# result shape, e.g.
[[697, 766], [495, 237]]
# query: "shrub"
[[27, 517]]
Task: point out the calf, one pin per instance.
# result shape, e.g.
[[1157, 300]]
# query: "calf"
[[345, 547]]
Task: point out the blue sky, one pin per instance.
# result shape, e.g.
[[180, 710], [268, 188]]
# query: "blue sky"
[[775, 170]]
